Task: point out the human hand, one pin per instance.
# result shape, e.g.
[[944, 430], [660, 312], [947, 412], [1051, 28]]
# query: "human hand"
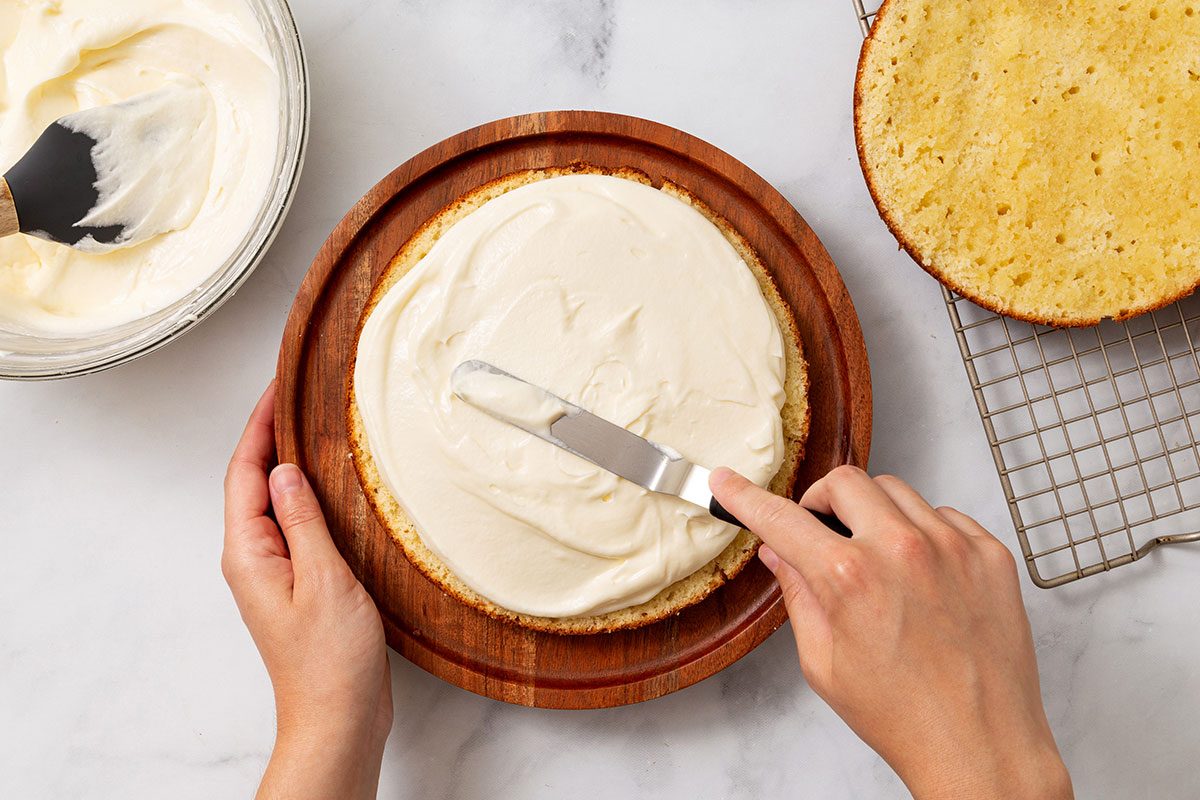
[[319, 633], [913, 631]]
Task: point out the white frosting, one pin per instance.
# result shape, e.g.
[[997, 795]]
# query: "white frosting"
[[62, 56], [617, 298], [512, 400], [153, 155]]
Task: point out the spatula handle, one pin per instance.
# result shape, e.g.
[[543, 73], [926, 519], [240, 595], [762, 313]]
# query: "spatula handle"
[[9, 224], [828, 520]]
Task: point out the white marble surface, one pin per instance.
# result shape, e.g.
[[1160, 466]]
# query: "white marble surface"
[[124, 669]]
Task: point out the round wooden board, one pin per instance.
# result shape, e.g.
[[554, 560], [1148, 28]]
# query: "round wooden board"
[[428, 626]]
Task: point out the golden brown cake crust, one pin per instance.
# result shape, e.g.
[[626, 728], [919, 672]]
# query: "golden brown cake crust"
[[881, 25], [674, 598]]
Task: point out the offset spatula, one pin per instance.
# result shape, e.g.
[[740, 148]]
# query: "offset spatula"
[[650, 465]]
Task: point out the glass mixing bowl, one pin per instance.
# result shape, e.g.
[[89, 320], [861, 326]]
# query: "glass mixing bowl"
[[27, 357]]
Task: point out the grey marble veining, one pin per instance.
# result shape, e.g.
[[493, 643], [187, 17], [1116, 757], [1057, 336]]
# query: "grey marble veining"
[[586, 36], [124, 669]]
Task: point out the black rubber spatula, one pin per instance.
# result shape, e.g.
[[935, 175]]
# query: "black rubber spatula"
[[52, 188], [56, 185]]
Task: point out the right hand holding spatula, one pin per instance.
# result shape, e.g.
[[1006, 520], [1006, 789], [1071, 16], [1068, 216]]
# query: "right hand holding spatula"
[[913, 631]]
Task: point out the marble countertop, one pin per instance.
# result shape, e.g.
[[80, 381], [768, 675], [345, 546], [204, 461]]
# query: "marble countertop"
[[124, 668]]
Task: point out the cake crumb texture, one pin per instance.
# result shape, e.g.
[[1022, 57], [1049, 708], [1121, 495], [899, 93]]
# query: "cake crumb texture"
[[1040, 158]]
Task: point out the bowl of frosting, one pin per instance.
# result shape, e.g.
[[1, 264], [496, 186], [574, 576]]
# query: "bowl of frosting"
[[66, 311]]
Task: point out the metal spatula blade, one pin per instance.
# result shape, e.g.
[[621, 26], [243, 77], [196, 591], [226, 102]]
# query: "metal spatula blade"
[[650, 465]]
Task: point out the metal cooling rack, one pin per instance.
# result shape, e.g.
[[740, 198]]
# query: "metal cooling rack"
[[1093, 430]]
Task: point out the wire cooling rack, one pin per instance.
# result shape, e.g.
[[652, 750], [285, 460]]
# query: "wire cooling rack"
[[1093, 430]]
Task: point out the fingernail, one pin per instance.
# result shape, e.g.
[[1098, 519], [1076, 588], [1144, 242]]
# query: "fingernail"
[[719, 476], [768, 557], [286, 478]]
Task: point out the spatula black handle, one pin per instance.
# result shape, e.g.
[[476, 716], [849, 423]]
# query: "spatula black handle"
[[828, 520]]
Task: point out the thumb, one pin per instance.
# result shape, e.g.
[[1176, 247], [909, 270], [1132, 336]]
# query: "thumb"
[[810, 623], [299, 516]]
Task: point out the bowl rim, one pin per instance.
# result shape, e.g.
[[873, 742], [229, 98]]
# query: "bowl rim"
[[190, 312]]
